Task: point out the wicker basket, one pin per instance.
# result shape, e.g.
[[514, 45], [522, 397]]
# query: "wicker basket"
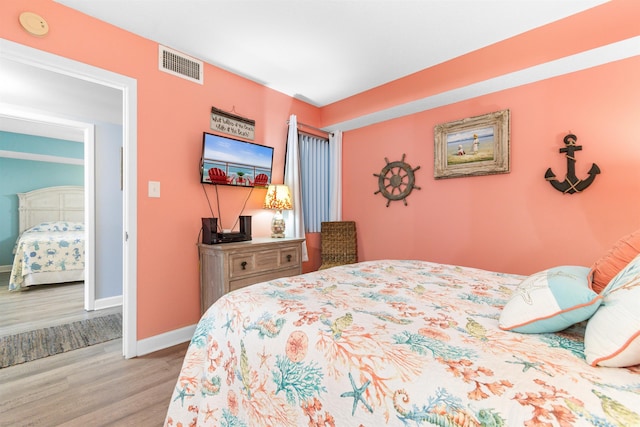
[[338, 243]]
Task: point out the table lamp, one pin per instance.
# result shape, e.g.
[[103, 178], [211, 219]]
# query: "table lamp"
[[278, 197]]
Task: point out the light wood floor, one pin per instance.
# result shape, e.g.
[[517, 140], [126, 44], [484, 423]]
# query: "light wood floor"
[[94, 386], [42, 306]]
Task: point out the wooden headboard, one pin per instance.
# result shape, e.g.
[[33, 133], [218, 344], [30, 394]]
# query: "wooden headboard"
[[64, 203]]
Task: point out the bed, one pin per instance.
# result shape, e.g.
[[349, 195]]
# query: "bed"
[[396, 343], [50, 246]]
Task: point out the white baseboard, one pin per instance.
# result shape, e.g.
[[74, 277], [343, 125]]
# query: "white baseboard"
[[103, 303], [5, 269], [166, 340]]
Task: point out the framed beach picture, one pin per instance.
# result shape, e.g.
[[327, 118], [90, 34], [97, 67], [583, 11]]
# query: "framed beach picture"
[[472, 146]]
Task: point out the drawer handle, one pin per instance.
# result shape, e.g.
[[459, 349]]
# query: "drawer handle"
[[289, 258], [243, 264]]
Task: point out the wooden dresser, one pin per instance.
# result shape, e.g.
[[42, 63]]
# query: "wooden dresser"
[[229, 266]]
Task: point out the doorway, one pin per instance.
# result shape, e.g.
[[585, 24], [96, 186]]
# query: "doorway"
[[128, 88]]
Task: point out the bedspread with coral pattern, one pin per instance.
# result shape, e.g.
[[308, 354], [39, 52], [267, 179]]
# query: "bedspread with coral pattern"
[[389, 343], [48, 247]]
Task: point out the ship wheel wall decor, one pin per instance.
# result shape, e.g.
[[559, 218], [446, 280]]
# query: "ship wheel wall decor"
[[396, 181]]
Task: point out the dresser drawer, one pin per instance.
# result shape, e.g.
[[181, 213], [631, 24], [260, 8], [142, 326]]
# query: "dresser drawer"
[[289, 257], [248, 264], [245, 264]]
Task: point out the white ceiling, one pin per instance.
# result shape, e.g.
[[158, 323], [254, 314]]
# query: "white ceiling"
[[319, 51], [322, 51]]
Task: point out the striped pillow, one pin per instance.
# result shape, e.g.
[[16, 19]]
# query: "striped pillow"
[[612, 337], [550, 301], [610, 264]]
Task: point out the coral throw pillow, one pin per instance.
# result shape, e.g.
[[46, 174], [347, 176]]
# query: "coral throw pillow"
[[605, 269]]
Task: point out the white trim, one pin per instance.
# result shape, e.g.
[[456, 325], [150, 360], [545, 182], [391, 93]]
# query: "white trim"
[[130, 218], [128, 86], [40, 157], [570, 64], [109, 302], [5, 268], [165, 340], [89, 137]]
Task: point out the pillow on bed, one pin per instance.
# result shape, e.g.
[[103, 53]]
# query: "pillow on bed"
[[612, 337], [550, 301], [57, 226], [616, 259]]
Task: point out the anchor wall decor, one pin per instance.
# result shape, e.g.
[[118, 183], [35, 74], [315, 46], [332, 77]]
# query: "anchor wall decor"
[[571, 184]]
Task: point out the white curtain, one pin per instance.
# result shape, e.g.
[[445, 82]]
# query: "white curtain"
[[294, 218], [335, 177]]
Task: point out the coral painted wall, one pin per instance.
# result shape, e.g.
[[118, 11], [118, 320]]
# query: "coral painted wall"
[[512, 222], [172, 114]]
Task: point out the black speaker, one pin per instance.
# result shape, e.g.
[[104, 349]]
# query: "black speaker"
[[209, 230], [245, 226]]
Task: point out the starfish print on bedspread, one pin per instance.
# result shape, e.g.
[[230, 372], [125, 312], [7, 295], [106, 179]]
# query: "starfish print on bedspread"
[[528, 365], [357, 394], [227, 325], [182, 394]]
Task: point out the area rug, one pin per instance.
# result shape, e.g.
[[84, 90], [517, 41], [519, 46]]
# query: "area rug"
[[32, 345]]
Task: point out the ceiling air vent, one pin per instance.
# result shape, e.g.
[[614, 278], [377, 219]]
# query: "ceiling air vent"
[[179, 64]]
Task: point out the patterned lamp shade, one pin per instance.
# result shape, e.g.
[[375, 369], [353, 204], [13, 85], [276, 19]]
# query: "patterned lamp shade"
[[278, 197]]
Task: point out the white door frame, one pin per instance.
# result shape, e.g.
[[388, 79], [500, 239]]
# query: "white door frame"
[[128, 86]]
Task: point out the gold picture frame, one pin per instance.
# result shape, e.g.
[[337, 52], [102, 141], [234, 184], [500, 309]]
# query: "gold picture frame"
[[473, 146]]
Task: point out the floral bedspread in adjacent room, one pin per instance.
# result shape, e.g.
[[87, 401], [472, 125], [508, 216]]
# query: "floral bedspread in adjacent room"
[[389, 343], [48, 247]]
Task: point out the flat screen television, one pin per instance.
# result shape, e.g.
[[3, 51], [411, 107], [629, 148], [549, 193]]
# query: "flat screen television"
[[229, 161]]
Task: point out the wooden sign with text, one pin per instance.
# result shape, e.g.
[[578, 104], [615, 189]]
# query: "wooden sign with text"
[[232, 124]]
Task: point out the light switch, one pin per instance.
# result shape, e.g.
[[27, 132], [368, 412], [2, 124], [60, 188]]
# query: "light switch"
[[154, 189]]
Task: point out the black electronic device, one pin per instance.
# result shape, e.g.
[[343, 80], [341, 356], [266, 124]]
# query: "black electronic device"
[[211, 236], [209, 229]]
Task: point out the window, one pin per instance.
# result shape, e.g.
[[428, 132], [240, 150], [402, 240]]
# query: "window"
[[315, 171]]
